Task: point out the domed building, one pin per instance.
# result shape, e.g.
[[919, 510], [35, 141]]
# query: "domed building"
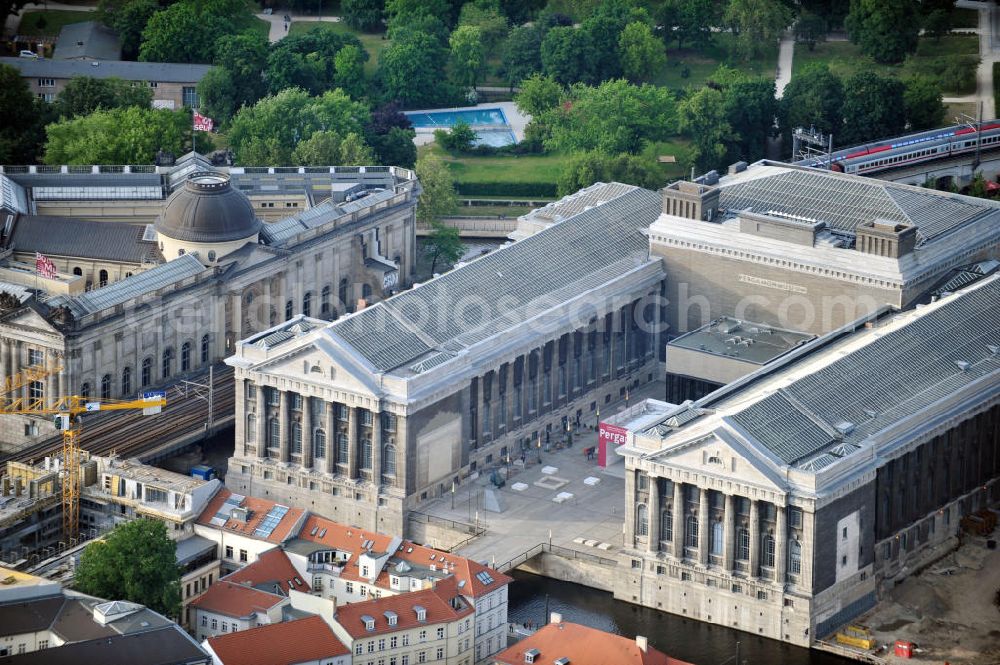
[[206, 217]]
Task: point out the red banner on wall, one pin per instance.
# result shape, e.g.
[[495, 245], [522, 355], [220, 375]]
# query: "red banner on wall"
[[609, 437]]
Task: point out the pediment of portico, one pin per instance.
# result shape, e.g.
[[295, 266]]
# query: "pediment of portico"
[[324, 365], [720, 460], [26, 318]]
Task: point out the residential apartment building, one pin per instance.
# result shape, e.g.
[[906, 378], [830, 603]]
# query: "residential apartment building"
[[307, 641], [229, 607]]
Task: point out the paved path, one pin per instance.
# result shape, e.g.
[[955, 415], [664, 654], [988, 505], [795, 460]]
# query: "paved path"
[[10, 26], [989, 52], [279, 28], [786, 53]]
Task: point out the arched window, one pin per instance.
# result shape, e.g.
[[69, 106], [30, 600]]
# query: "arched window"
[[667, 525], [251, 435], [743, 544], [794, 557], [289, 306], [341, 448], [642, 520], [319, 444], [106, 386], [366, 452], [389, 460], [716, 546], [324, 301], [186, 356], [343, 296], [691, 532], [211, 255], [78, 271], [769, 551], [273, 433], [84, 390], [296, 438], [204, 349], [103, 277], [126, 381], [366, 293], [307, 303], [147, 371], [168, 361]]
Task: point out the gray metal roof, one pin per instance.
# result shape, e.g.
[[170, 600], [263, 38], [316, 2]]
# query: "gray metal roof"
[[87, 39], [844, 202], [480, 299], [167, 72], [275, 233], [132, 287], [748, 341], [64, 236], [12, 195], [894, 376]]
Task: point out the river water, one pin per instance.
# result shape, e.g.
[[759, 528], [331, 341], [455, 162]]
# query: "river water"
[[692, 641]]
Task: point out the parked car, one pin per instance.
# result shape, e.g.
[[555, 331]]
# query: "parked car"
[[28, 54]]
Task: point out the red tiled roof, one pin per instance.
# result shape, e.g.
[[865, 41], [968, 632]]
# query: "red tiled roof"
[[235, 600], [283, 643], [350, 539], [583, 646], [436, 600], [271, 566], [258, 509]]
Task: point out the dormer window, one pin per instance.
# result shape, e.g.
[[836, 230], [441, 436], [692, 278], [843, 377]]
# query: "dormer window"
[[421, 613], [369, 622], [391, 617], [531, 654]]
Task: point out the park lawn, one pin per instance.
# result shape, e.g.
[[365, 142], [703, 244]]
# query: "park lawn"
[[845, 59], [251, 22], [501, 168], [679, 148], [373, 43], [700, 63], [493, 211], [42, 23], [958, 108]]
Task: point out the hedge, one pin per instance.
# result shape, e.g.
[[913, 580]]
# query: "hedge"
[[510, 189]]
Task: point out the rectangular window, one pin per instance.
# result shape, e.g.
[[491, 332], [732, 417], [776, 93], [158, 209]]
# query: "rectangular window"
[[243, 556], [190, 97], [795, 518], [36, 357], [46, 83]]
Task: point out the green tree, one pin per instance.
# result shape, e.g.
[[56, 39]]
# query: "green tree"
[[750, 111], [872, 106], [458, 139], [809, 29], [135, 562], [22, 130], [922, 100], [84, 95], [702, 118], [521, 54], [467, 58], [538, 95], [325, 148], [349, 70], [128, 18], [938, 24], [978, 186], [308, 60], [566, 55], [487, 17], [813, 98], [613, 117], [604, 28], [832, 11], [117, 136], [402, 11], [217, 95], [757, 24], [184, 32], [886, 30], [412, 72], [395, 147], [363, 15], [688, 21], [244, 56], [519, 11], [641, 54], [585, 168], [437, 199]]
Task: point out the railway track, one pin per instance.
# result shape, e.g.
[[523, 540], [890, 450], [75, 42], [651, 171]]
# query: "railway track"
[[130, 434]]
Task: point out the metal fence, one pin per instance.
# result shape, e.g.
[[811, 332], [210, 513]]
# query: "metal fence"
[[557, 550]]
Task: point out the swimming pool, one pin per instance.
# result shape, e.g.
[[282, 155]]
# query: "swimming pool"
[[490, 124]]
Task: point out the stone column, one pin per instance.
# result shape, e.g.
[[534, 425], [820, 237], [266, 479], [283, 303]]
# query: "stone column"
[[704, 528], [237, 316], [330, 426], [352, 442], [654, 515], [283, 408], [4, 360], [808, 551], [780, 547], [268, 304], [260, 435], [729, 521], [61, 379], [50, 380], [630, 504], [307, 432], [678, 520], [754, 537], [377, 448]]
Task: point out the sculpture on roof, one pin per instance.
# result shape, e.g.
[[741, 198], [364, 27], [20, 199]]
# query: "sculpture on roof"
[[61, 316], [8, 301]]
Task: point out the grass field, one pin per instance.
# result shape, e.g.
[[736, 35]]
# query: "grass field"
[[253, 23], [373, 43], [701, 63], [493, 211], [48, 24], [845, 59]]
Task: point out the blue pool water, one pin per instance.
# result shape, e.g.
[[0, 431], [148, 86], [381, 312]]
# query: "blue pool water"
[[490, 124]]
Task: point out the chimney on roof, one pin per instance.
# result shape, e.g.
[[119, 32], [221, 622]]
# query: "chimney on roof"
[[642, 643], [555, 617], [690, 199]]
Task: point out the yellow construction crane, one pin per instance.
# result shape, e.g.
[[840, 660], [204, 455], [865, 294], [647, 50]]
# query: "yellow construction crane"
[[66, 412]]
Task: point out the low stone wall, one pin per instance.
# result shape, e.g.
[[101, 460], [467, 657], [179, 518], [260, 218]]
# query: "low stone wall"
[[589, 574]]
